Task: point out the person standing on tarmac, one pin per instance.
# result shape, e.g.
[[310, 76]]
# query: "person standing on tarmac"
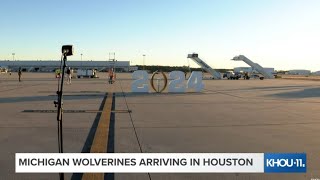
[[111, 74], [19, 74], [69, 75]]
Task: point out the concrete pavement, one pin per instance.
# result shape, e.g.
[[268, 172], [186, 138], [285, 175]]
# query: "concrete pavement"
[[228, 116]]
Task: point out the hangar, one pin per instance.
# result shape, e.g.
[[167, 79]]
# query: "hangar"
[[299, 72]]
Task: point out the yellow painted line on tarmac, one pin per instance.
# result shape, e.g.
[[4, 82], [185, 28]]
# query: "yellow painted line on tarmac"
[[100, 141]]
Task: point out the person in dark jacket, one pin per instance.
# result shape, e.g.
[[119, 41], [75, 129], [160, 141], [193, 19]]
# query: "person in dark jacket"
[[19, 74]]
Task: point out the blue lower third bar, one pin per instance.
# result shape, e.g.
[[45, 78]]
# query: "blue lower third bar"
[[285, 163]]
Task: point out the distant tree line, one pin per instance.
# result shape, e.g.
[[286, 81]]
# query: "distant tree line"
[[175, 68]]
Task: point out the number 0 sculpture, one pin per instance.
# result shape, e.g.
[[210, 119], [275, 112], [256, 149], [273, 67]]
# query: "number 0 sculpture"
[[165, 82]]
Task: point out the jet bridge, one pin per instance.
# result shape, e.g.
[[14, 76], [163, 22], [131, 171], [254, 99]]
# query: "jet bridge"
[[204, 66], [254, 66]]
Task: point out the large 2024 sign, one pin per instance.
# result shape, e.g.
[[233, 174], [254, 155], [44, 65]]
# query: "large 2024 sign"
[[176, 82]]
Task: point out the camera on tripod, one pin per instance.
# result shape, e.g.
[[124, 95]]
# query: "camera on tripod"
[[67, 50]]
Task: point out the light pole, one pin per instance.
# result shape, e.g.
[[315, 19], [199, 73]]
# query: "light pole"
[[13, 54], [114, 66], [112, 60], [112, 54], [81, 59], [144, 59]]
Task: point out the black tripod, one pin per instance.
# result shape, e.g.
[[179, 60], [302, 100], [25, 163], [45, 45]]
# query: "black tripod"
[[59, 104]]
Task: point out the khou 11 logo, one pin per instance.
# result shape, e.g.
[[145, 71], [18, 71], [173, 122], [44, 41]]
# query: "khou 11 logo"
[[285, 163]]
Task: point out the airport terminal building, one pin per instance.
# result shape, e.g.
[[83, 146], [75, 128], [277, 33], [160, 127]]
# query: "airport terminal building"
[[50, 66]]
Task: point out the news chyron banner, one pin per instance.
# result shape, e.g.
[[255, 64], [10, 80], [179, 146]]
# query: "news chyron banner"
[[161, 163]]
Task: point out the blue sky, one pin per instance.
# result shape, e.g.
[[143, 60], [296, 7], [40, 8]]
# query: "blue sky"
[[283, 34]]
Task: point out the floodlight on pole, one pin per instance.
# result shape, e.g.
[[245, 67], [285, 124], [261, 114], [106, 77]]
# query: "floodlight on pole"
[[81, 59], [144, 59]]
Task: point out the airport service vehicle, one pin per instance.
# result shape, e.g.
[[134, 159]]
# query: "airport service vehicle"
[[247, 76], [231, 75], [87, 73], [257, 76], [3, 69]]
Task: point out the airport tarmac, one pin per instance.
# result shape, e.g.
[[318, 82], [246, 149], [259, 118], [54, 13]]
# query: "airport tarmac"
[[228, 116]]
